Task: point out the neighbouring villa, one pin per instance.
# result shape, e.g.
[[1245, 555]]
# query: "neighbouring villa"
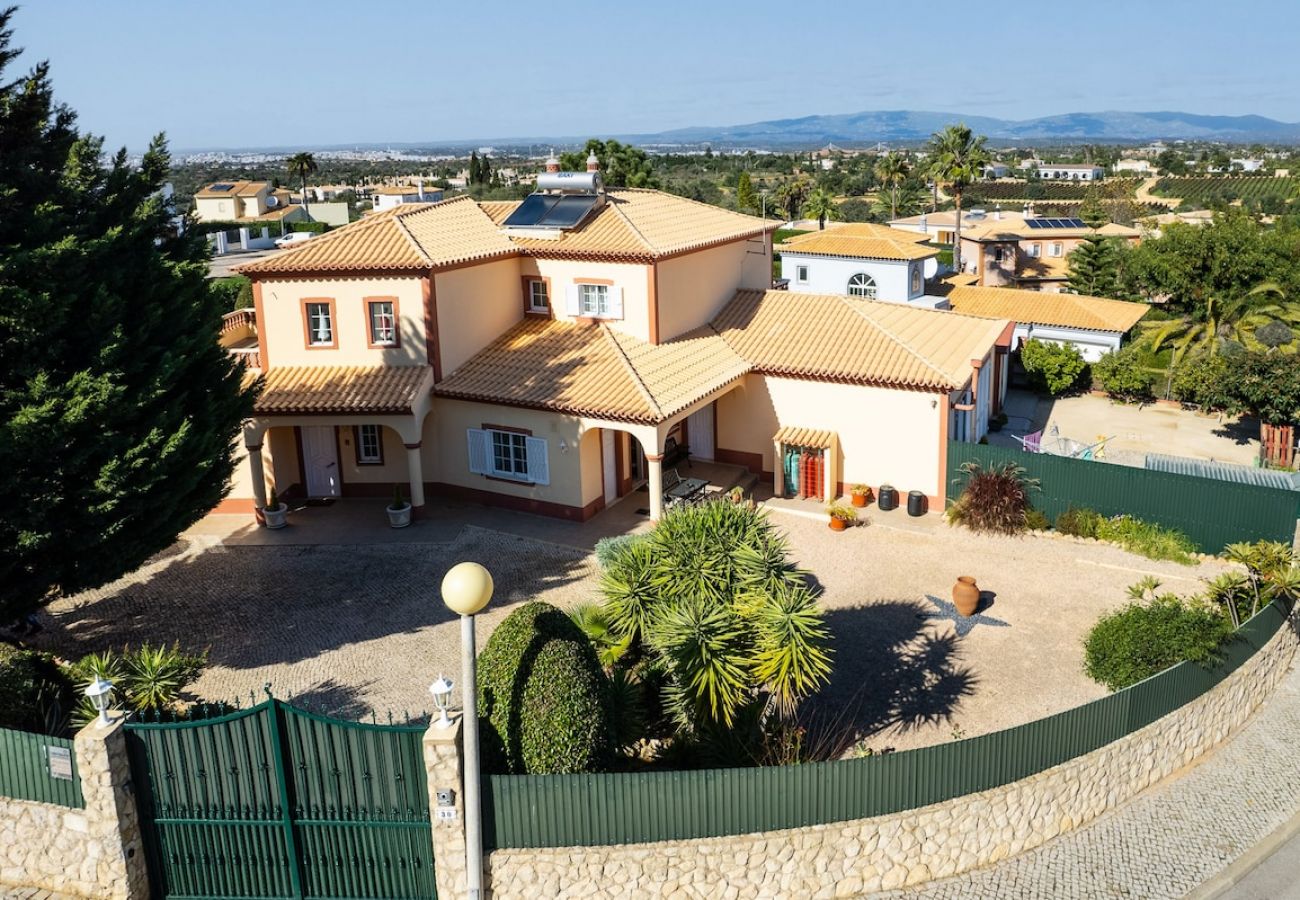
[[555, 354]]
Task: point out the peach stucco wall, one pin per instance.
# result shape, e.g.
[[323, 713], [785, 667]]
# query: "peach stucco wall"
[[446, 451], [475, 305], [692, 289], [393, 469], [286, 337], [885, 435], [633, 279]]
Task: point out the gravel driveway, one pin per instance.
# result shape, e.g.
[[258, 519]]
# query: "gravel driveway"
[[359, 629]]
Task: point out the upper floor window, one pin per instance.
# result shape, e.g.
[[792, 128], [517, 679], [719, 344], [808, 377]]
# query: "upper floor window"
[[1035, 250], [320, 323], [862, 285], [370, 445], [596, 300], [383, 323], [999, 254], [801, 274], [1057, 248], [538, 298]]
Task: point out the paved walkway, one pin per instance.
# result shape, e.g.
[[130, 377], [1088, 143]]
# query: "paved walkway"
[[1171, 839]]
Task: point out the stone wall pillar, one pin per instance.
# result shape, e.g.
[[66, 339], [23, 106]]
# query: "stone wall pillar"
[[111, 818], [444, 765]]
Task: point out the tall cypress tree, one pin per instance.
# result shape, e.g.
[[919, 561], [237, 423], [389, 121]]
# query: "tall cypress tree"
[[118, 409]]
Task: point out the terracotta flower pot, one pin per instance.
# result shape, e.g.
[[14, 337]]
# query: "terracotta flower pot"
[[859, 500], [837, 524], [966, 595]]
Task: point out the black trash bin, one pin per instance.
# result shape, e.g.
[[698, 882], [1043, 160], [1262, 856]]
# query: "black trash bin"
[[915, 503], [887, 498]]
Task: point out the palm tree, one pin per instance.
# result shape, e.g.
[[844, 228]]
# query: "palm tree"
[[957, 158], [892, 170], [821, 205], [1234, 318], [300, 165]]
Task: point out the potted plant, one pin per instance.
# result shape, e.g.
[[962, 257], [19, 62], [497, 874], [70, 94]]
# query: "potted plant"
[[275, 511], [860, 494], [399, 511], [841, 516]]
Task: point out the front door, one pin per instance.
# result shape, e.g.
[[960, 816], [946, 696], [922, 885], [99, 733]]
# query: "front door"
[[320, 456], [609, 462], [699, 425]]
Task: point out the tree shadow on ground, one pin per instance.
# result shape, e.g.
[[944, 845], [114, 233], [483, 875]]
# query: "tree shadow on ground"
[[1241, 431], [892, 670]]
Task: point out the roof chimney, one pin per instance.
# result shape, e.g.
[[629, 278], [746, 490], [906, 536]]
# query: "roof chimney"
[[419, 188], [997, 212], [1029, 210], [593, 164], [552, 164]]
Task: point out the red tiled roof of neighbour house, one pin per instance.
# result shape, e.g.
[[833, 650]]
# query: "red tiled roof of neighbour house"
[[833, 338], [416, 236], [862, 241], [342, 389], [594, 370], [1040, 308]]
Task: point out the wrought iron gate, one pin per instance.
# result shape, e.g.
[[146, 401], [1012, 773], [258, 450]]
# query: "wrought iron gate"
[[277, 802]]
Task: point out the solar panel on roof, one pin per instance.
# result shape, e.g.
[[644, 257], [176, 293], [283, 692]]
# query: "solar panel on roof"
[[551, 211], [530, 212], [569, 210], [222, 187]]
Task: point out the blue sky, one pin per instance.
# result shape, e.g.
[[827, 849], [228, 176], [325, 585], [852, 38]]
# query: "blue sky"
[[429, 70]]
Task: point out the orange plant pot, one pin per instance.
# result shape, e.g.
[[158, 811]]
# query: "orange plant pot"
[[837, 524], [966, 595]]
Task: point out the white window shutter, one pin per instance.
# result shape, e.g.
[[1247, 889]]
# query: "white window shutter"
[[615, 302], [539, 468], [572, 300], [480, 451]]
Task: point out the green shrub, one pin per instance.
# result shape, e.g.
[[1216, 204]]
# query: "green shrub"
[[995, 499], [1203, 381], [34, 694], [1147, 539], [1149, 636], [1079, 522], [1122, 376], [608, 547], [313, 227], [236, 292], [1036, 520], [146, 679], [543, 699], [1052, 368]]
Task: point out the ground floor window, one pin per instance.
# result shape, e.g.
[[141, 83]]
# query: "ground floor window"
[[515, 455], [370, 445]]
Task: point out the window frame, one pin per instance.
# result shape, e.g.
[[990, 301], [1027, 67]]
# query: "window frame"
[[801, 274], [1035, 249], [371, 343], [871, 285], [1057, 248], [516, 447], [602, 299], [328, 303], [528, 285], [357, 444]]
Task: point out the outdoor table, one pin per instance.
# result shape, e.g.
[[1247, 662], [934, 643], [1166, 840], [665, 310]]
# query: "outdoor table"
[[686, 489]]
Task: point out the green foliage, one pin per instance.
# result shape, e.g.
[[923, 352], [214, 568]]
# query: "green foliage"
[[310, 227], [1036, 520], [1052, 368], [621, 165], [1272, 573], [1095, 267], [608, 547], [747, 199], [594, 622], [1147, 539], [821, 206], [956, 158], [147, 678], [118, 408], [235, 291], [35, 695], [994, 500], [1122, 375], [1150, 635], [1266, 384], [713, 599], [543, 699], [1202, 380], [892, 170], [1079, 522]]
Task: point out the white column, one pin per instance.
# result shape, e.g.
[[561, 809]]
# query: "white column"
[[778, 470], [655, 465], [415, 472], [259, 476]]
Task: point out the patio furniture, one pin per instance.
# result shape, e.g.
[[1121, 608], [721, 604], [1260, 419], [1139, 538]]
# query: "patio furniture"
[[675, 453], [679, 491]]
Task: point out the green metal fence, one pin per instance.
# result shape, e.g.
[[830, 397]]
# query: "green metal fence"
[[38, 767], [1211, 512], [277, 802], [589, 810]]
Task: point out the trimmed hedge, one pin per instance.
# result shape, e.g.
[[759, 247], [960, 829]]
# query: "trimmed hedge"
[[543, 698], [1143, 639]]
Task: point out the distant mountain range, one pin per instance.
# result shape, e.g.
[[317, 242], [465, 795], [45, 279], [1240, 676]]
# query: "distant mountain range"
[[912, 125]]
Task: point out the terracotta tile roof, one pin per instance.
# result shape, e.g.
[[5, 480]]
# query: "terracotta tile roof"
[[1015, 229], [237, 189], [271, 215], [638, 225], [834, 338], [836, 243], [805, 437], [414, 236], [342, 389], [1039, 308], [593, 370]]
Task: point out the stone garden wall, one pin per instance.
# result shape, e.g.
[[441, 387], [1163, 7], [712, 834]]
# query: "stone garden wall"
[[90, 852], [848, 858]]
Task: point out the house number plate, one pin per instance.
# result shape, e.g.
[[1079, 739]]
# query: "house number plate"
[[60, 762], [446, 813]]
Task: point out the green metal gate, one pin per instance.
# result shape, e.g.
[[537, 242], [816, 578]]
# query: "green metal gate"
[[274, 801]]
